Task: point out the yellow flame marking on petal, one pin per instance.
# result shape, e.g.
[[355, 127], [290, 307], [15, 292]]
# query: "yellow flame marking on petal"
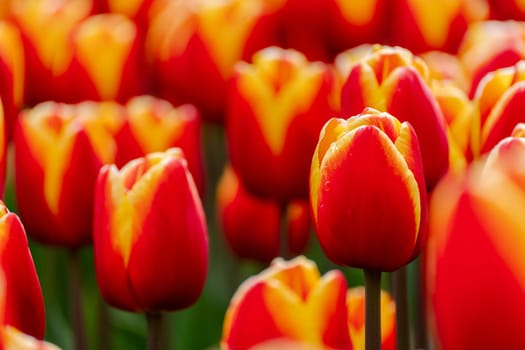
[[12, 52], [357, 12], [279, 85], [125, 7], [434, 18], [103, 43]]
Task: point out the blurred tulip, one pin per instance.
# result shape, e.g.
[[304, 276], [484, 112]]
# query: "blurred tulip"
[[189, 43], [507, 9], [11, 73], [447, 68], [46, 27], [355, 301], [59, 150], [392, 80], [368, 192], [287, 306], [136, 10], [252, 225], [154, 125], [150, 235], [423, 25], [22, 303], [277, 106], [488, 46], [479, 212], [499, 102]]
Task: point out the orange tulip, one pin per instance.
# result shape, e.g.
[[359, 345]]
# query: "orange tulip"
[[391, 79], [252, 225], [150, 235], [355, 301], [475, 253], [277, 106], [59, 150], [368, 192], [287, 306]]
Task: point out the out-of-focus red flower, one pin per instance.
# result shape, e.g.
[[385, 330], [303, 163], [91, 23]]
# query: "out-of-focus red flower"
[[252, 225], [22, 303], [507, 9], [277, 106], [12, 74], [150, 235], [488, 46], [446, 67], [368, 192], [499, 102], [288, 306], [475, 253], [154, 125], [391, 79], [423, 25], [355, 301], [59, 150]]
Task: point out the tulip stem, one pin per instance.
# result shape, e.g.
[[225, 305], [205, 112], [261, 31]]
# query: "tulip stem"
[[76, 300], [420, 319], [372, 310], [155, 322], [399, 289]]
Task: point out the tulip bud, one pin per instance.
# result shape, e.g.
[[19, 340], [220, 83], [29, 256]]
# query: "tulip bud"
[[154, 125], [252, 225], [391, 79], [288, 304], [479, 212], [355, 301], [150, 235], [368, 192], [59, 150], [278, 104]]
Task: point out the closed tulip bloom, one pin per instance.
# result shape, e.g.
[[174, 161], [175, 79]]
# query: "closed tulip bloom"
[[150, 235], [252, 225], [480, 212], [277, 106], [368, 192], [22, 303], [154, 125], [355, 301], [393, 80], [288, 306], [59, 150]]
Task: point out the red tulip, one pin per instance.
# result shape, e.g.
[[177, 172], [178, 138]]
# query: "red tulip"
[[150, 236], [277, 106], [368, 192], [288, 306], [59, 150]]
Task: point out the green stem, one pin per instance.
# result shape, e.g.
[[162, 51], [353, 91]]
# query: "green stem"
[[104, 324], [155, 322], [399, 289], [372, 310], [76, 301], [420, 319]]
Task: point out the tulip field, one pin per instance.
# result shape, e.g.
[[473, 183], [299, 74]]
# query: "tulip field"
[[262, 174]]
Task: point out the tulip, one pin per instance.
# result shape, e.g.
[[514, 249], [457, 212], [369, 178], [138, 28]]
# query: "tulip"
[[392, 80], [479, 212], [252, 225], [507, 9], [13, 339], [355, 301], [59, 150], [277, 106], [137, 10], [288, 304], [150, 236], [154, 125], [368, 192], [446, 67], [22, 304], [422, 25], [12, 68]]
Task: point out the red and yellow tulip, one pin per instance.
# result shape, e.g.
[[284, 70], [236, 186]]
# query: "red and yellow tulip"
[[277, 106], [252, 225], [391, 79], [59, 150], [288, 306], [368, 192], [150, 235]]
